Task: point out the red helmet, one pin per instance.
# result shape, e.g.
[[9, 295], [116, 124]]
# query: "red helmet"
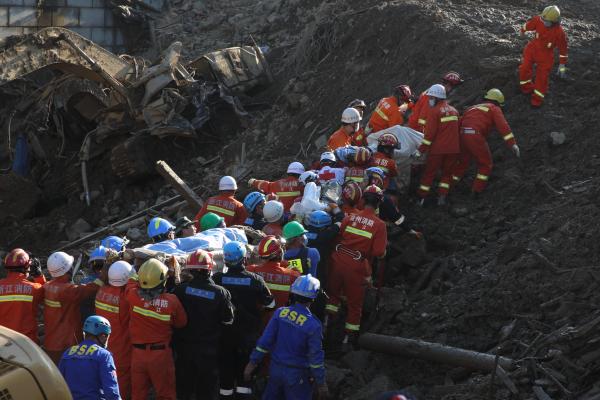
[[388, 140], [269, 247], [351, 192], [200, 259], [373, 191], [399, 397], [362, 156], [17, 258], [452, 78], [403, 92]]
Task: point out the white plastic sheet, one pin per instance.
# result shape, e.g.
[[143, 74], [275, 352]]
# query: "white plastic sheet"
[[409, 139], [211, 239]]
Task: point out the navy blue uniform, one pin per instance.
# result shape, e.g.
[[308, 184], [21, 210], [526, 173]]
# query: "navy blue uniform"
[[90, 372], [294, 340]]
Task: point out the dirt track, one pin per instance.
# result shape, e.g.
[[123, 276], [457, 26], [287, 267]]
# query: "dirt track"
[[525, 255]]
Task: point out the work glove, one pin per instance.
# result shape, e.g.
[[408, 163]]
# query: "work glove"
[[35, 268], [250, 367], [418, 235], [515, 149], [322, 392], [251, 181], [562, 72]]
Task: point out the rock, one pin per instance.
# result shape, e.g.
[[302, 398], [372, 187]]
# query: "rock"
[[141, 205], [335, 376], [115, 210], [94, 194], [161, 199], [117, 194], [557, 138], [76, 230], [19, 197], [321, 142], [371, 391], [459, 211], [357, 361], [135, 234]]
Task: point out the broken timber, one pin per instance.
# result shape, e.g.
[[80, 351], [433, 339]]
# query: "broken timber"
[[399, 346], [179, 185]]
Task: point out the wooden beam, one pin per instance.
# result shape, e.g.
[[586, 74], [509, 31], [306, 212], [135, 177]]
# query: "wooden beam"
[[179, 185]]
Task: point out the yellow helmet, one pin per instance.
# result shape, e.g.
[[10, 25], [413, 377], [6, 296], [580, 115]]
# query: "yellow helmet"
[[152, 273], [551, 14], [495, 95]]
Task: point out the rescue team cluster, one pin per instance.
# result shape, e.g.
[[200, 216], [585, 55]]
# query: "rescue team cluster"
[[203, 335]]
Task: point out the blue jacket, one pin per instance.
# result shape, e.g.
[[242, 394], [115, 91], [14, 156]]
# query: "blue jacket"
[[90, 372], [294, 339], [313, 256]]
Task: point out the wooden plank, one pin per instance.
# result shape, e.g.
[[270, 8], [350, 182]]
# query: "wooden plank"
[[179, 185]]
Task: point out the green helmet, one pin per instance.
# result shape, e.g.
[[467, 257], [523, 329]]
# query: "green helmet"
[[293, 229], [210, 220]]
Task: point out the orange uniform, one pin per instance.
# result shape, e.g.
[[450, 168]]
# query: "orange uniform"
[[274, 229], [387, 164], [363, 237], [286, 189], [227, 207], [418, 117], [540, 52], [339, 139], [386, 114], [356, 174], [442, 143], [19, 300], [62, 313], [359, 138], [150, 327], [348, 209], [112, 305]]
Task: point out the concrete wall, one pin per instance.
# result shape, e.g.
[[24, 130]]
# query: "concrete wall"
[[90, 18]]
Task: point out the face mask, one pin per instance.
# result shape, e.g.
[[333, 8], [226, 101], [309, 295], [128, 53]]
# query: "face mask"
[[547, 24], [431, 102]]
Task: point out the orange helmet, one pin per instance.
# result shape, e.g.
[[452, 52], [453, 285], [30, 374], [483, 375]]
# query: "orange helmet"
[[373, 191], [388, 140], [452, 78], [200, 259], [351, 192], [270, 246], [17, 258], [362, 156]]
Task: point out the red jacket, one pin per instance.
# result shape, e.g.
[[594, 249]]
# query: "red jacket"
[[62, 312], [153, 322], [418, 117], [386, 114], [364, 232], [278, 278], [19, 301], [227, 207], [112, 305], [547, 39], [339, 139], [387, 164], [355, 173], [286, 189], [481, 118], [441, 130], [359, 138]]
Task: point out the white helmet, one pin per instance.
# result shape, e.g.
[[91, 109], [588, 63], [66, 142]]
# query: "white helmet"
[[308, 176], [351, 116], [119, 273], [327, 156], [437, 91], [227, 183], [295, 168], [273, 211], [59, 263]]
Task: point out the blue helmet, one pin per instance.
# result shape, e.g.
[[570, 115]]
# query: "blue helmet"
[[159, 226], [114, 242], [318, 219], [252, 200], [99, 253], [96, 325], [234, 253], [375, 171], [306, 286]]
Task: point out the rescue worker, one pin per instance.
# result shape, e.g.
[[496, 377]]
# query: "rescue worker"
[[274, 271], [329, 172], [250, 295], [539, 52], [210, 221], [153, 315], [225, 204], [184, 227], [254, 203], [96, 263], [88, 368], [286, 189], [363, 237], [374, 176], [350, 125], [475, 126], [359, 138], [111, 304], [355, 163], [209, 308], [62, 302], [273, 212], [299, 256], [390, 110], [116, 243], [383, 159], [160, 229], [19, 297], [418, 117], [441, 143], [351, 196], [293, 338]]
